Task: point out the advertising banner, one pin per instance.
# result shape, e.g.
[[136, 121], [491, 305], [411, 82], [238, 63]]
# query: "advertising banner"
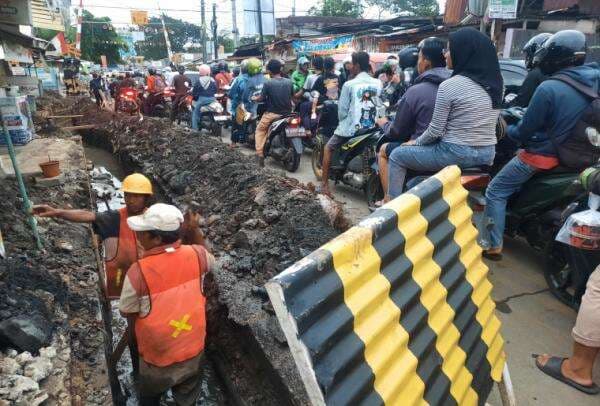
[[504, 9], [323, 46], [139, 17]]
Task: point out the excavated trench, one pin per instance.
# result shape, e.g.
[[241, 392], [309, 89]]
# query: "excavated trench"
[[257, 222]]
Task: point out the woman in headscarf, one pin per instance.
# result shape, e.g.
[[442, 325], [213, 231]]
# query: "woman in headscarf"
[[203, 93], [463, 127]]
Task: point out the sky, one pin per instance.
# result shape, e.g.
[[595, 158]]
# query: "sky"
[[189, 10]]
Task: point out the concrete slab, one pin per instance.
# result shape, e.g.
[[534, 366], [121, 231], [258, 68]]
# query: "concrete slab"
[[67, 151]]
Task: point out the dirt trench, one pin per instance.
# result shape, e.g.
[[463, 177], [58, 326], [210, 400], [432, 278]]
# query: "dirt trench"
[[258, 223]]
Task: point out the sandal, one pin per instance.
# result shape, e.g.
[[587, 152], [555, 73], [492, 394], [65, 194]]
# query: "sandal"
[[492, 256], [552, 368]]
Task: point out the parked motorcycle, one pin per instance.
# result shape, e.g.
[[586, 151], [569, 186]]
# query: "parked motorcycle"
[[284, 141], [127, 101], [213, 117]]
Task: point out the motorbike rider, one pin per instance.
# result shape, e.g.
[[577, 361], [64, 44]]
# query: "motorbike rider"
[[300, 74], [223, 77], [277, 94], [535, 76], [463, 124], [346, 71], [408, 63], [126, 82], [415, 109], [203, 93], [154, 86], [182, 85], [236, 93], [552, 114], [305, 108], [357, 109], [97, 88]]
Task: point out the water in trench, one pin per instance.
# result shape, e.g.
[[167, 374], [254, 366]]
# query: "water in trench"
[[107, 174]]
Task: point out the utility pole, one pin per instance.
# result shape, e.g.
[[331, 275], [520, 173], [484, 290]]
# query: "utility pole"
[[236, 34], [214, 31], [162, 20], [260, 27], [79, 23], [293, 8], [202, 14]]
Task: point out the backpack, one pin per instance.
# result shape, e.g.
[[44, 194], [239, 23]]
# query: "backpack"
[[578, 152]]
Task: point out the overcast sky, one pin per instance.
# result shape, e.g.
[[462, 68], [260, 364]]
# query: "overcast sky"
[[189, 10]]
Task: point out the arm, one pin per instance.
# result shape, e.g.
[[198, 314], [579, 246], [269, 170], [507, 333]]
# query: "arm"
[[344, 103], [535, 117], [439, 120], [76, 216], [190, 231], [531, 82]]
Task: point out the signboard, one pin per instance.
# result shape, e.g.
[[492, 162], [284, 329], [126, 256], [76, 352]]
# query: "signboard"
[[323, 46], [17, 12], [139, 17], [104, 61], [504, 9], [49, 77], [14, 52], [251, 17]]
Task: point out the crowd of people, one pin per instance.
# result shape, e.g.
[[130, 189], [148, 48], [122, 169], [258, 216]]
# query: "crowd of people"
[[446, 108]]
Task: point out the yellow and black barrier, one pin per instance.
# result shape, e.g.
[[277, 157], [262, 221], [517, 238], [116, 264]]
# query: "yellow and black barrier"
[[398, 309]]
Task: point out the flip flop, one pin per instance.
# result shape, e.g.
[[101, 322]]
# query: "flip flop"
[[492, 256], [552, 368]]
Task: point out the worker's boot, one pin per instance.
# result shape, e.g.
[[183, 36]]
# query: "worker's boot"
[[261, 161]]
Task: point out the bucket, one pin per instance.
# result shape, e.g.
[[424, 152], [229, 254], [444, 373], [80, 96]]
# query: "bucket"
[[50, 169]]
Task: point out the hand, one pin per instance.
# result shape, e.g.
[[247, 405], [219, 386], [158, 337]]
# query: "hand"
[[410, 142], [381, 121], [43, 210], [191, 220]]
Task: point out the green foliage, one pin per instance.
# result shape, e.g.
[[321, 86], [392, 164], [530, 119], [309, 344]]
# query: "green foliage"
[[180, 34], [426, 8], [98, 39], [45, 33], [337, 8]]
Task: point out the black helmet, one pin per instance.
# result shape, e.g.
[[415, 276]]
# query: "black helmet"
[[181, 69], [151, 71], [563, 49], [408, 57], [214, 68], [433, 50], [532, 46], [222, 66]]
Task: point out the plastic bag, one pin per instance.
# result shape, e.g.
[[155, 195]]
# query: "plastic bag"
[[582, 230]]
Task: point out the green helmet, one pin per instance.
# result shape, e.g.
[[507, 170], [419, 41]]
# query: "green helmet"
[[254, 66]]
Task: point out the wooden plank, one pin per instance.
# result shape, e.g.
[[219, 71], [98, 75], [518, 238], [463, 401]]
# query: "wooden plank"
[[79, 127], [66, 116]]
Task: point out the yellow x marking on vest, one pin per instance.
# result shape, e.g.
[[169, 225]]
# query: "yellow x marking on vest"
[[180, 325]]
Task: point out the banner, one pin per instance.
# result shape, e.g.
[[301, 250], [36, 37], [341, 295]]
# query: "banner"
[[251, 17], [322, 46], [505, 9], [139, 17], [103, 61], [14, 52], [17, 12]]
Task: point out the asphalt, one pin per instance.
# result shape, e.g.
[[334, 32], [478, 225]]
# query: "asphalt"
[[533, 321]]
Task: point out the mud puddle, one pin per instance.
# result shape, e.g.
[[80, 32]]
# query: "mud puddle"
[[106, 181]]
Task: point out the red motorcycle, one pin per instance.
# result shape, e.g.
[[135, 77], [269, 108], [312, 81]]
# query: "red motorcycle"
[[127, 101], [184, 110]]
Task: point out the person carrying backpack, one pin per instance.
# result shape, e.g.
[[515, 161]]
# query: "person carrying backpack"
[[550, 132]]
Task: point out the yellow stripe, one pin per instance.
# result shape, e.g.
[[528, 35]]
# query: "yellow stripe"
[[476, 271], [426, 273], [376, 318]]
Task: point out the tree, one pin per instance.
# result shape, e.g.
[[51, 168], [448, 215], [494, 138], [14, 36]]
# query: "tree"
[[183, 36], [425, 8], [337, 8], [98, 37]]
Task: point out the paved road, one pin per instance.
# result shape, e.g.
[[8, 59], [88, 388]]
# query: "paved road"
[[533, 321]]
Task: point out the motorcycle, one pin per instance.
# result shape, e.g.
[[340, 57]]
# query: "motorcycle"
[[284, 141], [354, 163], [223, 100], [213, 117], [159, 107], [127, 101], [184, 110]]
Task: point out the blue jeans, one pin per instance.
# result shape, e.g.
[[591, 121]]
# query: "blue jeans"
[[197, 114], [431, 158], [507, 182]]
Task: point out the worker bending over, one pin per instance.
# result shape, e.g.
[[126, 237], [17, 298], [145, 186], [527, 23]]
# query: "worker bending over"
[[163, 300]]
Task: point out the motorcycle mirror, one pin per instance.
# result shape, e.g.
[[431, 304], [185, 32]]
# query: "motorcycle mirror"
[[593, 136]]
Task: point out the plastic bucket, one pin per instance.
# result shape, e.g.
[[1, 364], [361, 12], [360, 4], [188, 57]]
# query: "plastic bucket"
[[50, 169]]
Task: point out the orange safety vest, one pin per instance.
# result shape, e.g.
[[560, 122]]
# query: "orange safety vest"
[[175, 328], [126, 254]]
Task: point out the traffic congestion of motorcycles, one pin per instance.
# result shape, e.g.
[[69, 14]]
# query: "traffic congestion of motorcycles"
[[536, 211]]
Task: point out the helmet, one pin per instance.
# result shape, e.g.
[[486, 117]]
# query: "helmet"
[[533, 45], [222, 66], [151, 71], [204, 70], [303, 61], [137, 183], [236, 71], [181, 69], [563, 49], [244, 66], [214, 68], [254, 66], [408, 57]]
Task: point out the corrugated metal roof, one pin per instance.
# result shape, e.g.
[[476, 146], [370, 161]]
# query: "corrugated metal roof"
[[585, 6], [455, 11], [44, 16]]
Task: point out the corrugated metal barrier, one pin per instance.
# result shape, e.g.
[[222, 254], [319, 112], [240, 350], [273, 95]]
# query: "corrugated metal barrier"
[[396, 310]]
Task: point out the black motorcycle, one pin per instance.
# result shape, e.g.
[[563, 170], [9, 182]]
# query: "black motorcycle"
[[284, 141], [354, 163]]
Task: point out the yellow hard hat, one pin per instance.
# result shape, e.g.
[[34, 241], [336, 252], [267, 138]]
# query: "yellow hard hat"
[[137, 183]]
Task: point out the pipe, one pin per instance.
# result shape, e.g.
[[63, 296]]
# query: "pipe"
[[26, 202]]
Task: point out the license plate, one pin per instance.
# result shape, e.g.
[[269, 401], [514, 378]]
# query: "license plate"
[[295, 132], [221, 118]]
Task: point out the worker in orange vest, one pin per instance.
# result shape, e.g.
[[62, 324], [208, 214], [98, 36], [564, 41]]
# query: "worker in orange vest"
[[163, 300]]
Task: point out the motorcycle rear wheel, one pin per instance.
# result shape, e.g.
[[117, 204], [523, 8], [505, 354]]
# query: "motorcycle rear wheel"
[[373, 189], [216, 129], [558, 273], [292, 163], [317, 159]]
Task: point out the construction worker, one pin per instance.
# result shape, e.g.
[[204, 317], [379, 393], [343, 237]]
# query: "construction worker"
[[163, 300], [120, 245]]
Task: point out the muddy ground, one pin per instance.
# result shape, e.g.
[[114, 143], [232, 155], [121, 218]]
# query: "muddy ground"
[[258, 223], [57, 289]]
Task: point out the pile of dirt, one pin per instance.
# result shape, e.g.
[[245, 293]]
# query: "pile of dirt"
[[258, 222], [49, 298]]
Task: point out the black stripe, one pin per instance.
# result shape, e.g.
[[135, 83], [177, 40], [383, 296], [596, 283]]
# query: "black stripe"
[[446, 253], [405, 293], [315, 298]]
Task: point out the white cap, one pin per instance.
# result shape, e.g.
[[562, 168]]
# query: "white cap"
[[160, 217]]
